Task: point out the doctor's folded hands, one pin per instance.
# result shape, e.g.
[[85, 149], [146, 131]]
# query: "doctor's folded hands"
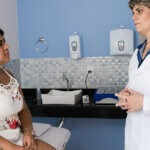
[[130, 100]]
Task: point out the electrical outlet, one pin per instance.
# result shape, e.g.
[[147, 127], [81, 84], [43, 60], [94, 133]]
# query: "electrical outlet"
[[90, 68]]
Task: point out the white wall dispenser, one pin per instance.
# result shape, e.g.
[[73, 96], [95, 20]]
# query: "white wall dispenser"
[[74, 45], [121, 41]]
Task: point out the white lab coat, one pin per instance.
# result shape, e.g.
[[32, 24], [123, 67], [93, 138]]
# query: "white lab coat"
[[137, 128]]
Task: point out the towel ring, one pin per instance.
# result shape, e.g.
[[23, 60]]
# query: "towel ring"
[[39, 41]]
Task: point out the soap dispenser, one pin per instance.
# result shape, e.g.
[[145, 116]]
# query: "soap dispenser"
[[74, 44]]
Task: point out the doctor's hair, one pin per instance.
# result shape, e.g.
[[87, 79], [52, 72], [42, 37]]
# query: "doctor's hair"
[[1, 32], [132, 3]]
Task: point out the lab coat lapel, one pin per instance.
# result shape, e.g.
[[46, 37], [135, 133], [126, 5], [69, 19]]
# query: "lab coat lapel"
[[143, 66], [135, 71]]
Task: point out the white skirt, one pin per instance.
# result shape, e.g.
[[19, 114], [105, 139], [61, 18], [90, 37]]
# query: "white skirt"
[[54, 136], [13, 135]]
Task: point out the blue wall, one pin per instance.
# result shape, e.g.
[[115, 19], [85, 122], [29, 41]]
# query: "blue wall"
[[57, 19], [93, 20]]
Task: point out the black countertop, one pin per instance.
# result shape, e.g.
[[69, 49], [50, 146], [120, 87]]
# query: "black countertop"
[[79, 110]]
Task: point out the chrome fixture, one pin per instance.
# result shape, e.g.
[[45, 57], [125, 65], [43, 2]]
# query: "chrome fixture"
[[67, 80], [61, 123], [44, 43]]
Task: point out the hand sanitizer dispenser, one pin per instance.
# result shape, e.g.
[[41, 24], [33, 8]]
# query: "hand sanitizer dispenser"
[[121, 41], [74, 44]]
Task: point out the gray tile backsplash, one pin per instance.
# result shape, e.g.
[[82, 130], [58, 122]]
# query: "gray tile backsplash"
[[14, 67], [110, 73]]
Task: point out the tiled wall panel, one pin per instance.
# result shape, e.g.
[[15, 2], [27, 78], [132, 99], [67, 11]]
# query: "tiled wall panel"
[[14, 67], [109, 73]]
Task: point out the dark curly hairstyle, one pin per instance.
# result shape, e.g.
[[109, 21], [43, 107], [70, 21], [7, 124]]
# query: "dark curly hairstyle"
[[132, 3], [1, 32]]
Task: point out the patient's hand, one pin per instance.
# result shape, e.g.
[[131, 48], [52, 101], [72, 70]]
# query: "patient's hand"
[[28, 141]]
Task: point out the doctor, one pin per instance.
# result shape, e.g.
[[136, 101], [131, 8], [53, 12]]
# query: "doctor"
[[135, 98]]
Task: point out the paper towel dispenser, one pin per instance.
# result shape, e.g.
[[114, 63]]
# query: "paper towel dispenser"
[[121, 41]]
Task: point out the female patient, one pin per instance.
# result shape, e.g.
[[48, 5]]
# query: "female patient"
[[16, 131]]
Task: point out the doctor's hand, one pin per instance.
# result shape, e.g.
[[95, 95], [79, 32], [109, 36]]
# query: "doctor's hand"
[[134, 100], [122, 101]]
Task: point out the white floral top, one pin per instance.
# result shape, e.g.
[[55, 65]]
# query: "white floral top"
[[12, 90]]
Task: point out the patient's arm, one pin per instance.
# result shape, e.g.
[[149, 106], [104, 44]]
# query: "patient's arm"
[[25, 116], [7, 145]]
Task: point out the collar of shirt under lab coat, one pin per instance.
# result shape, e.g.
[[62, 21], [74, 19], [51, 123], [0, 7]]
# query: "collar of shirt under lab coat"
[[141, 48]]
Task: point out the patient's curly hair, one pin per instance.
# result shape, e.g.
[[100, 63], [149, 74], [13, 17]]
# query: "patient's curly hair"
[[132, 3], [1, 32]]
